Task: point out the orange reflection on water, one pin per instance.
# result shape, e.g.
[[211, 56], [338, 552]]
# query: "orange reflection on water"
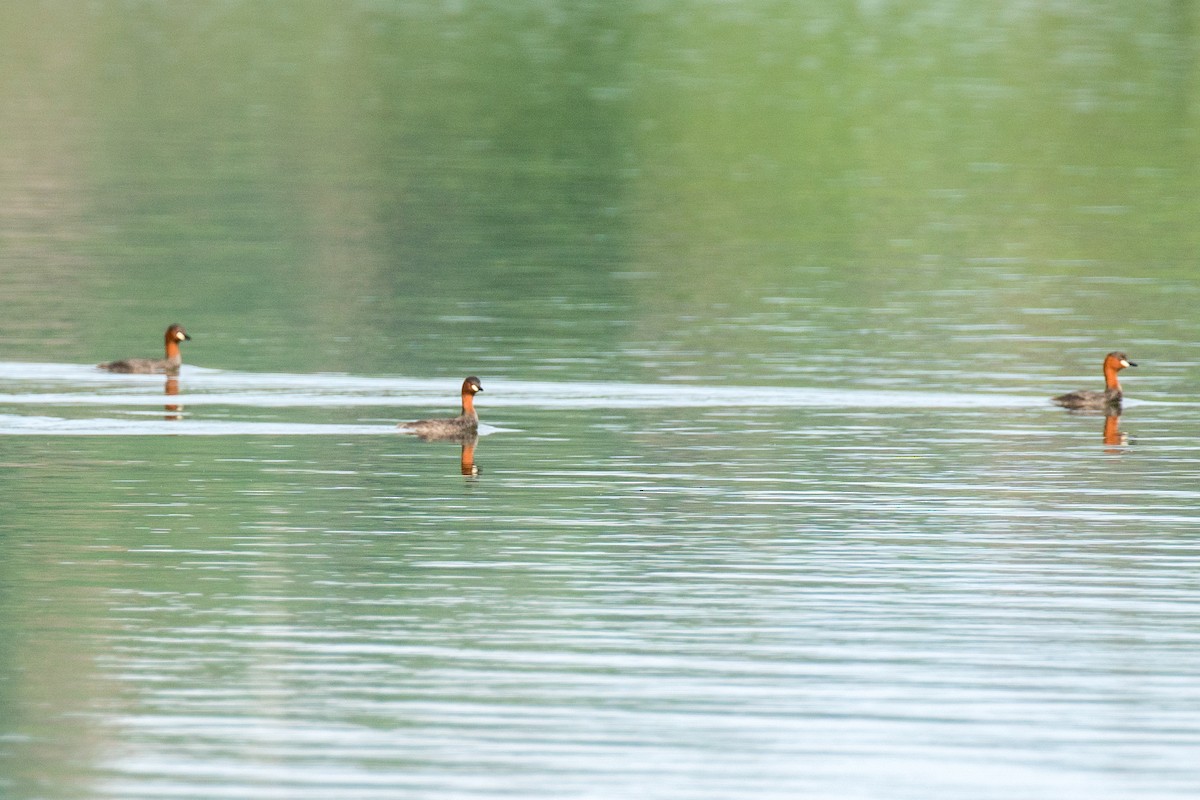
[[174, 410]]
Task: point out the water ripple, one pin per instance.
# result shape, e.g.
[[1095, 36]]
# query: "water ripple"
[[217, 387]]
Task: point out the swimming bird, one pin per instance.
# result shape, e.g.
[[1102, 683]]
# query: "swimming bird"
[[169, 365], [464, 425], [1092, 399]]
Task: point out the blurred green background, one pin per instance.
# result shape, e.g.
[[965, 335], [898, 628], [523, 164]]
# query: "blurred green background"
[[746, 192]]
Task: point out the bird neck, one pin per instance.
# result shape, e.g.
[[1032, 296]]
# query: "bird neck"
[[1111, 384]]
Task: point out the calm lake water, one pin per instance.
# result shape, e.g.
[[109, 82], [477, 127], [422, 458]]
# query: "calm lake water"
[[769, 501]]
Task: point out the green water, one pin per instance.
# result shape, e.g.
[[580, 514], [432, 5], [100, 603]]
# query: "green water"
[[871, 562]]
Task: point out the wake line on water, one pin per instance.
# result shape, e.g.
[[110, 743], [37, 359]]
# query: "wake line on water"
[[205, 387], [17, 425]]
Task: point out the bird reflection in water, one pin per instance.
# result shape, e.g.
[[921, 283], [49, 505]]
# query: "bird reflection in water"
[[174, 410], [467, 460], [1113, 435], [1112, 431], [467, 456]]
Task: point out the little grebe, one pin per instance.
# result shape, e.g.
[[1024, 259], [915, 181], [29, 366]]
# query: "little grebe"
[[1111, 396], [461, 426], [169, 365]]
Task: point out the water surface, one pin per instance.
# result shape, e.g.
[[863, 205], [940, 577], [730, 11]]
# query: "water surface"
[[769, 499]]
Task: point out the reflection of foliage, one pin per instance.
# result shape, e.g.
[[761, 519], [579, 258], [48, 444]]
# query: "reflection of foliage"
[[383, 190]]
